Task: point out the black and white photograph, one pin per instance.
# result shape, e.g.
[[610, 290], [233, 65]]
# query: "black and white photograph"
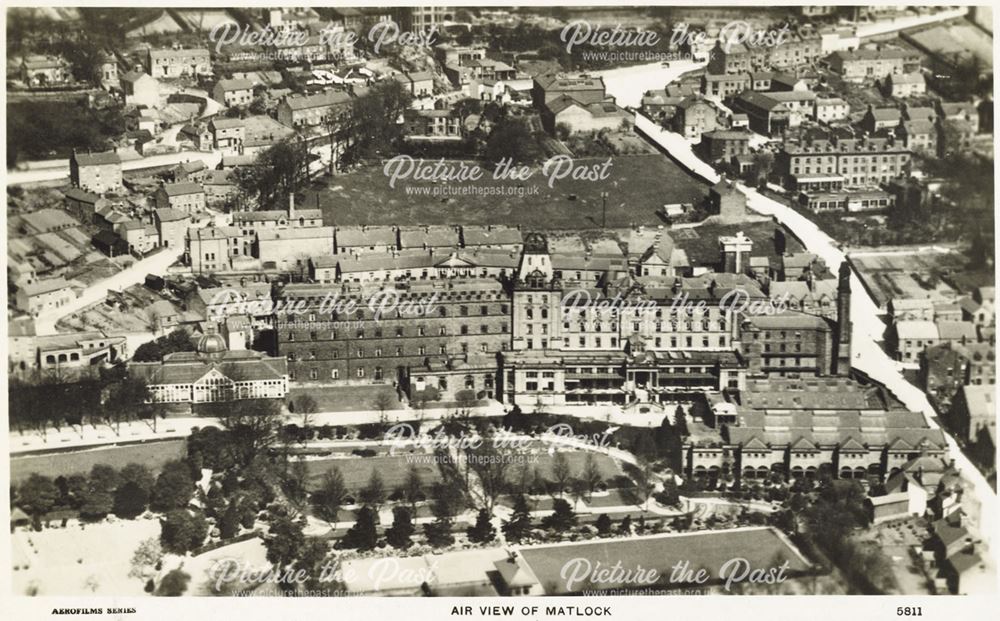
[[624, 303]]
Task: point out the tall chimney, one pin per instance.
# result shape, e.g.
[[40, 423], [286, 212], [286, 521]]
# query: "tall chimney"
[[291, 205]]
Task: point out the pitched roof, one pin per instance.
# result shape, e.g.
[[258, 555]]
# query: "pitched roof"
[[169, 214], [319, 100], [180, 189], [368, 236], [885, 114], [474, 235], [47, 285], [916, 329], [235, 85], [97, 159]]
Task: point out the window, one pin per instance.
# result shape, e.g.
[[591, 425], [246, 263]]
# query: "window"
[[335, 374], [361, 372], [313, 374]]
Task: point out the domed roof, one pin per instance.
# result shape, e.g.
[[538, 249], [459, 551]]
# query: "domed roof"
[[211, 344]]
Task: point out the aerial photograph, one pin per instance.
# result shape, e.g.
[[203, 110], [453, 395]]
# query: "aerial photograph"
[[452, 301]]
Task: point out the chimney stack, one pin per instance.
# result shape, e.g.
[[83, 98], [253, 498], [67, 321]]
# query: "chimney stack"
[[291, 205]]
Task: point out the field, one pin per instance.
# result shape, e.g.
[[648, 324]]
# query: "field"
[[92, 559], [607, 466], [345, 398], [151, 454], [357, 470], [637, 186]]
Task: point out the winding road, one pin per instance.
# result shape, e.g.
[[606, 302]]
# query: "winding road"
[[869, 357]]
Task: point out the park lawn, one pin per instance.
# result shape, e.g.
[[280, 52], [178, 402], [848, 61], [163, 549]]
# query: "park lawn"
[[64, 463], [357, 471], [345, 398], [608, 467], [614, 498], [637, 186]]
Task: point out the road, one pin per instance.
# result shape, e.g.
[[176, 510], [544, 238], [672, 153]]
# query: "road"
[[60, 168], [867, 326], [134, 274], [910, 21], [628, 84]]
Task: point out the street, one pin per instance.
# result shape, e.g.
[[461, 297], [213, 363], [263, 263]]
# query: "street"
[[869, 357]]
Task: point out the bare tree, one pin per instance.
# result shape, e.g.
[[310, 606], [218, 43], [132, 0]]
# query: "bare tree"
[[591, 475], [306, 406], [491, 465], [560, 471]]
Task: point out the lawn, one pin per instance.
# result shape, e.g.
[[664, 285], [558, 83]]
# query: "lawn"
[[151, 454], [357, 470], [608, 468], [637, 185], [77, 561], [701, 243], [345, 398]]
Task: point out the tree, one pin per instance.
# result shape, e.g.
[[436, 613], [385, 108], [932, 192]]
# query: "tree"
[[130, 500], [591, 475], [174, 584], [139, 474], [373, 494], [182, 531], [669, 496], [491, 464], [603, 524], [364, 534], [154, 351], [295, 482], [174, 487], [146, 557], [438, 532], [400, 533], [446, 502], [562, 517], [482, 531], [518, 527], [383, 402], [306, 406], [252, 424], [284, 542], [370, 123], [560, 471], [626, 526], [312, 561], [126, 401], [99, 496], [229, 525], [281, 171], [37, 495], [330, 497], [510, 139], [413, 488], [680, 422]]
